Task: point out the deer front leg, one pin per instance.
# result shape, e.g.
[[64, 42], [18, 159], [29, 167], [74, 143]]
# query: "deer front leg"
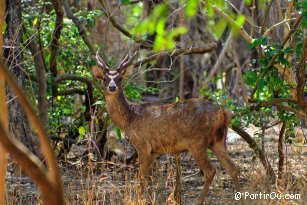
[[145, 160]]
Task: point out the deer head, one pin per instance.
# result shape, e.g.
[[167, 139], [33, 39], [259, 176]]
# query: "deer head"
[[112, 78]]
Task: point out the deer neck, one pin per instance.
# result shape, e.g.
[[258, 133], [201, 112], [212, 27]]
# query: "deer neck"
[[118, 109]]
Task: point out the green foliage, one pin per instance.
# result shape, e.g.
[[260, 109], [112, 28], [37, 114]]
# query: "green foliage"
[[134, 91], [155, 23], [271, 85], [73, 58]]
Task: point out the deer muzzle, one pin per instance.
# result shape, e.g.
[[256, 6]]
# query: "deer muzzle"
[[112, 86]]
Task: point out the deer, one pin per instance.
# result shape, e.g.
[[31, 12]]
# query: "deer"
[[153, 129]]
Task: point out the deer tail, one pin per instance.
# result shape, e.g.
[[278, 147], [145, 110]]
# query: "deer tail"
[[223, 128]]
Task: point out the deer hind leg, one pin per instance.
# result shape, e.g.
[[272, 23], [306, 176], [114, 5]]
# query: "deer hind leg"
[[201, 157], [220, 151]]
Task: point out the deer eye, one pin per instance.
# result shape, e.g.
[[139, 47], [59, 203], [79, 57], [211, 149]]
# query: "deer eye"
[[120, 78], [104, 79]]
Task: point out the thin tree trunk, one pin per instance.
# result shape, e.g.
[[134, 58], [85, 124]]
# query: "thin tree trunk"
[[281, 156], [42, 86], [18, 123]]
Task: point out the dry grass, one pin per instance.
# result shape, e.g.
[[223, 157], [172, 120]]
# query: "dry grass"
[[115, 183]]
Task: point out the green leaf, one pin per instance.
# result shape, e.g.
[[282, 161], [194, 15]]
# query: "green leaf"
[[219, 28], [125, 2], [248, 2], [191, 8], [35, 21], [81, 130], [119, 133], [160, 28], [240, 20]]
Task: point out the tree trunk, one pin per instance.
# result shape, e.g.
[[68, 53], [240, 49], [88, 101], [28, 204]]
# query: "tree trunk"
[[18, 123]]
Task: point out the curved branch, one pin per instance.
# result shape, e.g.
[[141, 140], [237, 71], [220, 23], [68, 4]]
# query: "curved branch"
[[71, 91], [45, 143], [260, 153], [185, 51], [64, 77], [290, 109], [30, 164]]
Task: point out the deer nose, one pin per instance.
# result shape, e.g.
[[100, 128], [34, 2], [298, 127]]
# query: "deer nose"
[[112, 88]]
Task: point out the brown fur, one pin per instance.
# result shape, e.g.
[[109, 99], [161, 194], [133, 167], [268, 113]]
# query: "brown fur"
[[192, 126]]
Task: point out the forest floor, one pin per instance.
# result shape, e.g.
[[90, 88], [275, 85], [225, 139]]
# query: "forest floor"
[[111, 182]]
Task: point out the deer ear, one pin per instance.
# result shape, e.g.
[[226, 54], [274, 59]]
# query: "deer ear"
[[98, 73]]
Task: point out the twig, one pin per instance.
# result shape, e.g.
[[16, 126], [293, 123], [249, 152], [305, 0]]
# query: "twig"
[[218, 61], [266, 17], [232, 22], [275, 25]]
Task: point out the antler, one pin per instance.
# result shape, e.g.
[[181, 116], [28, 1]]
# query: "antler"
[[127, 61], [101, 63]]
